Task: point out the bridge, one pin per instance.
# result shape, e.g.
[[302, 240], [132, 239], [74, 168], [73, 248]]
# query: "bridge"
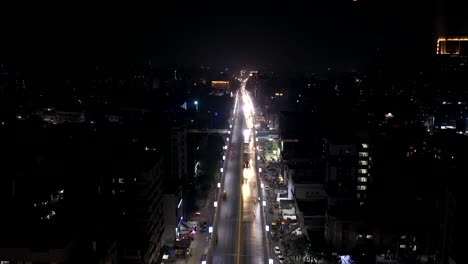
[[207, 131]]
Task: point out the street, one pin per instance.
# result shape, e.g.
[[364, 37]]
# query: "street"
[[238, 225]]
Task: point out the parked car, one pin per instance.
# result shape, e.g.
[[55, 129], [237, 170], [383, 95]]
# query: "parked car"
[[281, 259], [277, 250]]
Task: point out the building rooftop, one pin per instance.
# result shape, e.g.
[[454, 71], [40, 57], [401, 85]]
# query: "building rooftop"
[[312, 208]]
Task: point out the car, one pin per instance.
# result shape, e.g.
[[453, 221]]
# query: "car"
[[281, 259], [277, 250]]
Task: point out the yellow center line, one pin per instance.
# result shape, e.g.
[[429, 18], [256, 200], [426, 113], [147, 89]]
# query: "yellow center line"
[[239, 223]]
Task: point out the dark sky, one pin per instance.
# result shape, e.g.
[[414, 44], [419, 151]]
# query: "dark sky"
[[318, 34]]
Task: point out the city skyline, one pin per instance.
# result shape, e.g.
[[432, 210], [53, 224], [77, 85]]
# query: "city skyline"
[[344, 35]]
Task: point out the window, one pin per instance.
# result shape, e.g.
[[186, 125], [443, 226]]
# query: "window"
[[363, 154], [361, 187], [362, 171], [365, 146], [369, 236], [362, 179], [363, 162]]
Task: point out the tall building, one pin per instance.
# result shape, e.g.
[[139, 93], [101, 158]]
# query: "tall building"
[[178, 153], [348, 175], [12, 83], [140, 201]]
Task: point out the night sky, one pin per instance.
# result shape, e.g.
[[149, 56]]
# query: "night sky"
[[341, 34]]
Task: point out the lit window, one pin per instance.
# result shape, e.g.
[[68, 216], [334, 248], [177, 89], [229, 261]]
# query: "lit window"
[[358, 195], [365, 146], [363, 154], [362, 179], [361, 187], [362, 171], [363, 162], [369, 236], [121, 180]]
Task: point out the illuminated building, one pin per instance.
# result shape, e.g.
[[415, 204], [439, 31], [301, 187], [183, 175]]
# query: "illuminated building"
[[220, 85], [452, 45]]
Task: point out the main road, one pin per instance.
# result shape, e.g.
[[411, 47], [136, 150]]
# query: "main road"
[[239, 228]]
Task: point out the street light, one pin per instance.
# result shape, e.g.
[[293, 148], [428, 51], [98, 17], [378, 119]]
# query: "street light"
[[221, 169], [215, 204]]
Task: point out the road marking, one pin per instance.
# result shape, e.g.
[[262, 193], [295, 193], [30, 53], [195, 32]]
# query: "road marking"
[[239, 224]]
